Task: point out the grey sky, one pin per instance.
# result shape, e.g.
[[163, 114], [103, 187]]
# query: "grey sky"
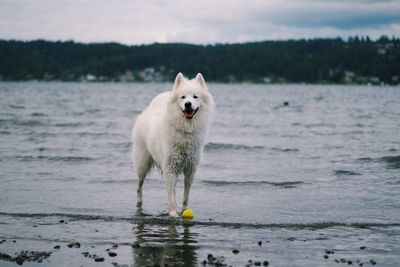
[[205, 21]]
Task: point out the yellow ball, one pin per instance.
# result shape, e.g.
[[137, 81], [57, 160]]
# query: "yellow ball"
[[187, 214]]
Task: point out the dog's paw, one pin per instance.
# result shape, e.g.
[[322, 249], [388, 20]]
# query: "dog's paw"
[[173, 213]]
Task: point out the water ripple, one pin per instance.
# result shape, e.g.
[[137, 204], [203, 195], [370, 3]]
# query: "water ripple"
[[288, 184], [52, 158], [345, 172], [227, 146], [165, 220]]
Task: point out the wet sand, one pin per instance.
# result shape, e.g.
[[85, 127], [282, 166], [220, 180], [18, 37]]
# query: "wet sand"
[[160, 241]]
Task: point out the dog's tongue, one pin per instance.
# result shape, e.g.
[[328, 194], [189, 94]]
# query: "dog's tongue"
[[189, 114]]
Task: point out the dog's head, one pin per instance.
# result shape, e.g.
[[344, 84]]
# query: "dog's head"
[[191, 96]]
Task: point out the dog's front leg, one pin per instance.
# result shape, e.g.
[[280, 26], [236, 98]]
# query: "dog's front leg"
[[171, 183], [188, 182]]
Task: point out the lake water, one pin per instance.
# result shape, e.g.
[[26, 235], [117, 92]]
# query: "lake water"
[[303, 169]]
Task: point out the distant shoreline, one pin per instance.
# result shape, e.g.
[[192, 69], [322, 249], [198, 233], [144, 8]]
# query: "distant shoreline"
[[358, 60], [211, 82]]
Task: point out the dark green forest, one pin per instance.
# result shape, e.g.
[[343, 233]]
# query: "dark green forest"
[[356, 60]]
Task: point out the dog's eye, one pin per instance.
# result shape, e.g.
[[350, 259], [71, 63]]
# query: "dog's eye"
[[195, 97], [183, 97]]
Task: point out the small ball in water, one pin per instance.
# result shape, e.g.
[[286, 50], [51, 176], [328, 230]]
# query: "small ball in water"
[[187, 213]]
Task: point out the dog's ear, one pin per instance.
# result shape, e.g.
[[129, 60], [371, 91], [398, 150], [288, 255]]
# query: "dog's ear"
[[178, 80], [201, 81]]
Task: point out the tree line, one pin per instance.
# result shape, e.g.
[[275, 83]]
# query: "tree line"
[[356, 60]]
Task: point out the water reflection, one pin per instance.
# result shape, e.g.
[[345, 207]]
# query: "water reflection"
[[171, 244]]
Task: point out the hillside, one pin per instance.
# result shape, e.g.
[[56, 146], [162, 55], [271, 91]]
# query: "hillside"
[[357, 60]]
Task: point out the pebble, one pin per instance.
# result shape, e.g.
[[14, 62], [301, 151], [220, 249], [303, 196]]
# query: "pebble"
[[61, 221], [257, 263], [220, 261], [235, 251], [265, 263], [326, 256], [259, 243], [342, 260], [19, 261], [286, 103], [100, 259], [329, 252], [362, 247], [74, 245], [349, 262], [372, 262], [112, 254], [57, 247], [21, 257]]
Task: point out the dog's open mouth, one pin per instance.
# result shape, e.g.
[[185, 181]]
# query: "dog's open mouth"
[[189, 113]]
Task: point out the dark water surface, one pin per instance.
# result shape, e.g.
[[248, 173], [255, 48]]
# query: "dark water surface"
[[319, 172]]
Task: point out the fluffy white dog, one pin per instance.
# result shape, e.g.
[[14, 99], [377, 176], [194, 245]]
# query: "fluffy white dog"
[[170, 133]]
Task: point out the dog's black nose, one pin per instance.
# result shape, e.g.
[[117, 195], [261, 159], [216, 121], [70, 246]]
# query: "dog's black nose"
[[188, 105]]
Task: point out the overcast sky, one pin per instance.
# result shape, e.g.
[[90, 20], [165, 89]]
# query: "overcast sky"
[[202, 21]]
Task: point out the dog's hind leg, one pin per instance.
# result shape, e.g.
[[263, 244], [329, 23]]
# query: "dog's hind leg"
[[143, 164]]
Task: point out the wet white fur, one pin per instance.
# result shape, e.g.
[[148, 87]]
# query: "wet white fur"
[[163, 137]]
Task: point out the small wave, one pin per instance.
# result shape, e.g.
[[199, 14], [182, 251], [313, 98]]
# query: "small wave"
[[42, 135], [5, 132], [38, 114], [53, 158], [288, 184], [165, 220], [130, 181], [29, 123], [345, 172], [93, 134], [93, 110], [278, 149], [391, 161], [366, 159], [68, 124], [122, 144], [16, 106], [77, 217], [226, 146], [66, 158], [319, 125], [17, 122]]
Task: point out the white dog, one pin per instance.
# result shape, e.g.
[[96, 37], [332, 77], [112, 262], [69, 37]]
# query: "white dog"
[[169, 134]]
